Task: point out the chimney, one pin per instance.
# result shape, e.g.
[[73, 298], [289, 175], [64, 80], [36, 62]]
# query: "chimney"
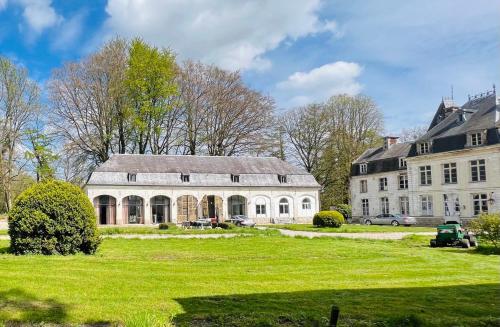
[[390, 141]]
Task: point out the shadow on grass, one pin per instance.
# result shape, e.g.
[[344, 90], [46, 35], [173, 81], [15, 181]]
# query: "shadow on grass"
[[17, 306], [4, 249], [481, 249], [468, 305]]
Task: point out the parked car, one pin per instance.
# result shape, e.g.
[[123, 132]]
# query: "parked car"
[[391, 219], [242, 220]]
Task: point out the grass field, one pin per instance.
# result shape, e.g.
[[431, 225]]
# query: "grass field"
[[259, 280], [346, 228]]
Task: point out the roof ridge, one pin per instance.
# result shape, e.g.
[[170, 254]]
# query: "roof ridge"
[[190, 155]]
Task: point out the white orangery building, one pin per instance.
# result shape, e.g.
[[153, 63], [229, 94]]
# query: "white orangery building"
[[450, 173], [149, 189]]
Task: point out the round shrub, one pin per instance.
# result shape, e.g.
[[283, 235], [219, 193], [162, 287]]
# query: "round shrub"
[[53, 217], [163, 226], [344, 209], [328, 219]]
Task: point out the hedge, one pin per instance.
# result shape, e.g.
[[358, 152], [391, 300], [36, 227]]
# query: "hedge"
[[53, 217], [328, 219]]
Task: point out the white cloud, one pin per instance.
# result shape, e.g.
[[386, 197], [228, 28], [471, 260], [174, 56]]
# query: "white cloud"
[[322, 82], [69, 33], [231, 34], [39, 14], [3, 4]]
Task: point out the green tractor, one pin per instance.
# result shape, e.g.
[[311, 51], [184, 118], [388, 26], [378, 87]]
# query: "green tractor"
[[453, 235]]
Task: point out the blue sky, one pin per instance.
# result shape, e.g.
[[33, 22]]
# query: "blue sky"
[[406, 55]]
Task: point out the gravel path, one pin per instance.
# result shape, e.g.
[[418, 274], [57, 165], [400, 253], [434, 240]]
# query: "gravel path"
[[161, 236], [371, 236], [286, 232]]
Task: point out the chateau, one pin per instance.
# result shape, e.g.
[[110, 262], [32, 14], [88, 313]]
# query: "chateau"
[[150, 189], [452, 172]]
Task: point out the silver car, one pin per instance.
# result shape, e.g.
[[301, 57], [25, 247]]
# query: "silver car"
[[391, 219], [242, 220]]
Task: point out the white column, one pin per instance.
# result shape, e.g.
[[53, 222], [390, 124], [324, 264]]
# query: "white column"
[[147, 211], [119, 211]]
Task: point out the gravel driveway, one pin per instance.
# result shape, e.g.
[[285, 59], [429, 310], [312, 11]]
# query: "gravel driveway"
[[371, 236], [161, 236], [286, 232]]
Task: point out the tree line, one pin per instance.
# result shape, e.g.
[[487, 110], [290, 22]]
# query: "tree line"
[[132, 97]]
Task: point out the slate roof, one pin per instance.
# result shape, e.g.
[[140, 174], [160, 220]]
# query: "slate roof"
[[475, 115], [140, 163], [479, 114], [395, 151]]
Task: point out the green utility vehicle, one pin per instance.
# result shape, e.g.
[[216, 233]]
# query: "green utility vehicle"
[[453, 235]]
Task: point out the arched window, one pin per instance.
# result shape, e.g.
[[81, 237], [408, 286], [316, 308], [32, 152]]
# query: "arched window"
[[284, 207], [306, 204], [133, 209]]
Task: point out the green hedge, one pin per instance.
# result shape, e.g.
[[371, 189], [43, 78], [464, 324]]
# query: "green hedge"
[[53, 217], [328, 219], [344, 209], [487, 227]]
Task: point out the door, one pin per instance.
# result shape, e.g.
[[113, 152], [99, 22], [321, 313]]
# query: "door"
[[211, 206], [103, 215]]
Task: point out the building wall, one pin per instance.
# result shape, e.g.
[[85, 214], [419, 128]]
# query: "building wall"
[[268, 195], [463, 189], [374, 195]]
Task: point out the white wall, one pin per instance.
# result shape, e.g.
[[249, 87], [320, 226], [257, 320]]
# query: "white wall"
[[373, 195], [271, 196], [464, 188]]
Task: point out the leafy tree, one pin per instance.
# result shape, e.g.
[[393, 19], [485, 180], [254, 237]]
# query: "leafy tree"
[[151, 86], [19, 103], [41, 154], [355, 124]]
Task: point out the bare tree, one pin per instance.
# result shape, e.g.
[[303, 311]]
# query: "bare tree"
[[88, 104], [306, 129], [19, 103], [236, 114], [412, 134], [193, 87]]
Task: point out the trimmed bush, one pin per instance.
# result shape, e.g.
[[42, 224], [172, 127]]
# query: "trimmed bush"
[[328, 219], [163, 226], [222, 225], [53, 217], [487, 227], [344, 209]]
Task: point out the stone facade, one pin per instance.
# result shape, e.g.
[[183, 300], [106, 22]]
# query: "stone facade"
[[266, 197], [452, 172]]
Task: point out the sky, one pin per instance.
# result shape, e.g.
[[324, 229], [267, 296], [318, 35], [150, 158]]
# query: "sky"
[[406, 55]]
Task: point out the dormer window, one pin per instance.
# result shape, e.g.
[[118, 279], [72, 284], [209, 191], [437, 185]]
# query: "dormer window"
[[476, 139], [235, 178], [282, 179], [185, 178], [131, 177], [402, 162], [363, 168], [423, 148]]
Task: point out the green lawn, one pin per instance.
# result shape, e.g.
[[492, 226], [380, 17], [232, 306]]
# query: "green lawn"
[[346, 228], [174, 230], [259, 280]]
